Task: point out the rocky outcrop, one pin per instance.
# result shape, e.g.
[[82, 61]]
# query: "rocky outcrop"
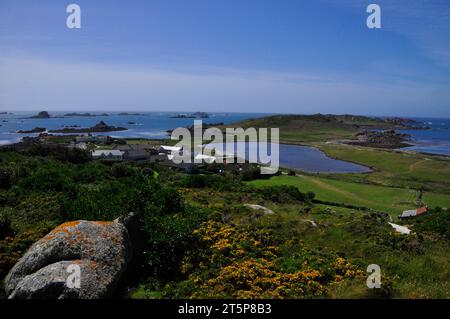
[[75, 114], [41, 115], [381, 139], [100, 250], [35, 130], [263, 209], [99, 127], [196, 115]]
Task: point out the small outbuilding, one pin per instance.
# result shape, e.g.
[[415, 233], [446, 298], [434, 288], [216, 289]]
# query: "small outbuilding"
[[169, 149], [112, 155], [136, 155], [413, 212]]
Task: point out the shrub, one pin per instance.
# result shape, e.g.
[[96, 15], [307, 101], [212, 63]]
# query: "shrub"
[[310, 196], [5, 227], [253, 172], [237, 261], [48, 178], [91, 172], [169, 231], [249, 174], [108, 201], [61, 153], [6, 177], [35, 208], [198, 181], [122, 170], [437, 221], [12, 248], [282, 193], [226, 182]]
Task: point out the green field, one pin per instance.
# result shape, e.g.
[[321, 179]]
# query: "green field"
[[394, 168], [389, 199]]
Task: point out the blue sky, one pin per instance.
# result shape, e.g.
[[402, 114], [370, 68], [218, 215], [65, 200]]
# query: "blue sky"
[[286, 56]]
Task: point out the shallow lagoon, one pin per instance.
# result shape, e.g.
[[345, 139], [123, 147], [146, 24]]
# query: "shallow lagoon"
[[305, 158]]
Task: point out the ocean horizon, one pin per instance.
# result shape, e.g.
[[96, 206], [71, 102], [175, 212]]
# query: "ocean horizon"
[[154, 125]]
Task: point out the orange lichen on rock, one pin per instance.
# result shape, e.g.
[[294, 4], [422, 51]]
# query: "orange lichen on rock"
[[48, 237], [65, 227]]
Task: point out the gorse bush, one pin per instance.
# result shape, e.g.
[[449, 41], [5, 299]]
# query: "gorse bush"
[[237, 261]]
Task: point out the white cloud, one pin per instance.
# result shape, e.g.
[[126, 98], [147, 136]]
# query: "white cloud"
[[30, 84]]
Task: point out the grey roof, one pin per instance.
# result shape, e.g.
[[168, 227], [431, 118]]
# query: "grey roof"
[[124, 147], [136, 152], [107, 153]]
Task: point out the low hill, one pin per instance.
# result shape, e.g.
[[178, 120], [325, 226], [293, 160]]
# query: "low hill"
[[323, 127]]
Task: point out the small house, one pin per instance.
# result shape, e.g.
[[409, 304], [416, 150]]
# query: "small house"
[[136, 155], [413, 212], [112, 155], [169, 149], [205, 158]]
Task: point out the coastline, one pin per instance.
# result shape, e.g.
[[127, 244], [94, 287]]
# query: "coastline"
[[15, 122]]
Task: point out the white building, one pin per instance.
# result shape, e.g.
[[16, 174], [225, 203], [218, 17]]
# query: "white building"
[[169, 149]]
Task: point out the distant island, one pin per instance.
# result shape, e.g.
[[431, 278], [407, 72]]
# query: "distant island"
[[99, 127], [46, 115], [125, 113], [35, 130], [204, 127], [84, 114], [196, 115], [41, 115]]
